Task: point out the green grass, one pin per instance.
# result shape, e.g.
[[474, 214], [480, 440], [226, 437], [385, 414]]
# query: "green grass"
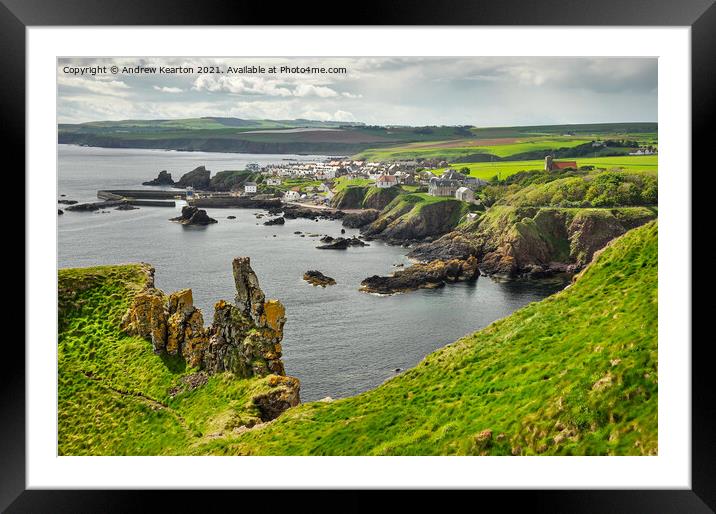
[[341, 183], [114, 392], [437, 149], [502, 170], [574, 374]]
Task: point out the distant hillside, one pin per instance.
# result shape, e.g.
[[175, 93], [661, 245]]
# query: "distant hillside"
[[216, 134]]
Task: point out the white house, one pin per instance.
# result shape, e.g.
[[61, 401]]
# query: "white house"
[[253, 166], [250, 187], [273, 181], [465, 194], [291, 196], [386, 181]]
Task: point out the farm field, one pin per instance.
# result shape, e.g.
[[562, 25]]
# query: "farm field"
[[501, 147], [487, 170]]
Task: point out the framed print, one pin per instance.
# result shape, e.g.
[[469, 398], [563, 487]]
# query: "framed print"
[[430, 250]]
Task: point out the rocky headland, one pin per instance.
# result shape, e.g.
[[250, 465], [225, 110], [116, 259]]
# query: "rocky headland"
[[163, 179], [517, 242], [198, 178]]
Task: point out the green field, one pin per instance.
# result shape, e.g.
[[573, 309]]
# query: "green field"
[[341, 183], [457, 148], [502, 170]]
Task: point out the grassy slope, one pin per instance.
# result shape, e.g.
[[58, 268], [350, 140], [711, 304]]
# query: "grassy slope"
[[113, 392], [574, 374]]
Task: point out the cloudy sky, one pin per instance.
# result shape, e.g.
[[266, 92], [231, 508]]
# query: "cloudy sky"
[[480, 91]]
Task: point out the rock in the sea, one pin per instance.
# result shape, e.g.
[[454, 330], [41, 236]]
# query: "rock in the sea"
[[198, 178], [423, 276], [231, 217], [340, 243], [326, 239], [60, 211], [163, 179], [275, 221], [67, 202], [193, 216], [318, 279]]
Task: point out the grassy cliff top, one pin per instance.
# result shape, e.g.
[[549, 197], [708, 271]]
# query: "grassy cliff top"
[[115, 396], [575, 374]]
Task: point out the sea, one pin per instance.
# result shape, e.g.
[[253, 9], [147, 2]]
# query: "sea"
[[338, 341]]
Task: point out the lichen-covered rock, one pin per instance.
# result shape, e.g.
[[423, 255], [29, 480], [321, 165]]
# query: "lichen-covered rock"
[[244, 338], [147, 318], [284, 393]]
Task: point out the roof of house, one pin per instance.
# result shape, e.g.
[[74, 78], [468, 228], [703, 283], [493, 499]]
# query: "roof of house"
[[249, 184], [560, 165], [444, 182], [463, 189], [386, 178]]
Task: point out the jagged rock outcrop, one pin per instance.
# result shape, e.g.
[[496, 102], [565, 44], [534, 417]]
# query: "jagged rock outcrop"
[[317, 278], [423, 276], [193, 216], [163, 179], [361, 218], [198, 178], [244, 338]]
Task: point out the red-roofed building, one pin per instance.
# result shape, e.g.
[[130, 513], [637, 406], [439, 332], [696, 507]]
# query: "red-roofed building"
[[551, 165], [386, 181]]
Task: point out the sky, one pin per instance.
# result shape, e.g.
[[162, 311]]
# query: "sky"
[[478, 91]]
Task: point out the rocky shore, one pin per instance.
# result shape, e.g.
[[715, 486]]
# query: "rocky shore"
[[430, 275]]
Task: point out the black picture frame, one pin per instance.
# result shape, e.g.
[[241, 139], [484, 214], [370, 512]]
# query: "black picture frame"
[[17, 15]]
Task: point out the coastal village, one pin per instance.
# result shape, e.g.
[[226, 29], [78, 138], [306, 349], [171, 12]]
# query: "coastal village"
[[315, 182]]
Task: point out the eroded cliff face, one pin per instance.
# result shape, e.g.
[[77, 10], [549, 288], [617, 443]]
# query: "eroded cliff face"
[[534, 242], [406, 221], [244, 338]]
